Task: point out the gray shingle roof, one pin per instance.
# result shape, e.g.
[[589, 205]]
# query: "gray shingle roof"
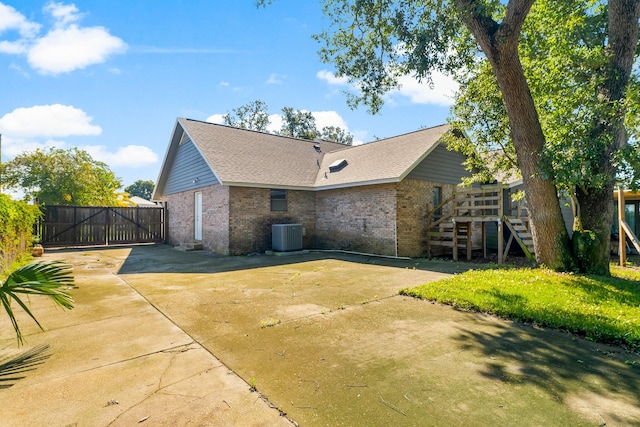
[[240, 156], [386, 160], [248, 158]]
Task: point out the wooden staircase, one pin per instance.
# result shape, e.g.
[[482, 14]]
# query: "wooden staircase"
[[521, 233], [464, 208], [451, 223]]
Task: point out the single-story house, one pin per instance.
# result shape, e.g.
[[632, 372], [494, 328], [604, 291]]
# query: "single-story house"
[[140, 202], [225, 187]]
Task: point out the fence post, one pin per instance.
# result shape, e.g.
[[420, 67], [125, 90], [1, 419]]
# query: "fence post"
[[622, 237], [107, 226]]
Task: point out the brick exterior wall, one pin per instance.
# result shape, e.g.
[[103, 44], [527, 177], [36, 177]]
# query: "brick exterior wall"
[[237, 220], [413, 198], [359, 219], [215, 218], [250, 218]]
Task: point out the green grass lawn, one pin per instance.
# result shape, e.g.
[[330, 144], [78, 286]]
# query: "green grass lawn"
[[605, 309]]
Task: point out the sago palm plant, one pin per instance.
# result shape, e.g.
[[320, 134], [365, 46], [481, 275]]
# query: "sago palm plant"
[[46, 278]]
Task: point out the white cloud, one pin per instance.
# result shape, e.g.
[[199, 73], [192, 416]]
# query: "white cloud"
[[65, 48], [329, 118], [27, 129], [11, 147], [275, 123], [276, 79], [48, 121], [64, 14], [11, 19], [444, 87], [331, 78], [130, 156], [18, 69], [216, 118], [14, 47]]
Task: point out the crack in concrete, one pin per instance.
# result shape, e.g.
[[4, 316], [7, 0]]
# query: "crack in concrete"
[[160, 388], [265, 399], [164, 350]]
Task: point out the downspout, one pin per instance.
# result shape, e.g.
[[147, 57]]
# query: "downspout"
[[395, 232]]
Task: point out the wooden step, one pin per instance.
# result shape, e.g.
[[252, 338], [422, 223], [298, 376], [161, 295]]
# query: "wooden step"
[[449, 244], [441, 234]]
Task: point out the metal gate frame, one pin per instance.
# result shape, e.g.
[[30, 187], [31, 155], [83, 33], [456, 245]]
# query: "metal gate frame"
[[101, 225]]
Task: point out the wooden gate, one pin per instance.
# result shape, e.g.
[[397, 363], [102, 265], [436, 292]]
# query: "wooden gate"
[[91, 225]]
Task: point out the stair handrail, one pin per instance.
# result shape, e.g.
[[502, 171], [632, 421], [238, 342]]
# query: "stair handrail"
[[441, 220], [440, 206], [516, 237], [471, 194]]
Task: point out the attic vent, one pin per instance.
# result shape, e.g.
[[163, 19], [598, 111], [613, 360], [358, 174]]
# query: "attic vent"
[[338, 165], [317, 148]]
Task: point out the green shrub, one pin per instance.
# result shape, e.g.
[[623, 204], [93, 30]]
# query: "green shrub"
[[16, 230]]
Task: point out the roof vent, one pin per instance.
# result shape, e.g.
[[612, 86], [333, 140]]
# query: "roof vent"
[[338, 165], [317, 148]]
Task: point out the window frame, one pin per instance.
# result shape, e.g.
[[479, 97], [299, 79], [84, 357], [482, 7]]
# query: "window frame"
[[437, 199], [278, 200]]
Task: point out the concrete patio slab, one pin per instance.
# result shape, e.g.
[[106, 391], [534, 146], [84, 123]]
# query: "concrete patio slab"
[[175, 337], [115, 360]]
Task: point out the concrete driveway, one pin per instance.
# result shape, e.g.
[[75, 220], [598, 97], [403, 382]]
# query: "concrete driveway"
[[161, 337]]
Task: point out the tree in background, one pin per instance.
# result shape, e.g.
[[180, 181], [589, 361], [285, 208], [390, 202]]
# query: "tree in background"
[[336, 134], [141, 188], [375, 42], [62, 177], [252, 116], [298, 124], [295, 123]]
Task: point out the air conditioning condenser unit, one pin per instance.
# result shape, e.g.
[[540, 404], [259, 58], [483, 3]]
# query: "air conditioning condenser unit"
[[286, 237]]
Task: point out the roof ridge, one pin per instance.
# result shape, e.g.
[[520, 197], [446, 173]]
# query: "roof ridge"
[[261, 132], [364, 144], [407, 133]]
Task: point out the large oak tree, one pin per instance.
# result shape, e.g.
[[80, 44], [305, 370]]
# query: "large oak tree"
[[62, 177], [373, 42], [564, 51]]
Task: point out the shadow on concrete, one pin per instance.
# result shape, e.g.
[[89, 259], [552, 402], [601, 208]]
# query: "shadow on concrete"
[[13, 369], [166, 259], [522, 354]]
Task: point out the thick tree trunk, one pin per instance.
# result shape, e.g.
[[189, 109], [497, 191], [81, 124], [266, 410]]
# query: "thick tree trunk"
[[597, 203], [597, 215], [550, 237], [499, 42]]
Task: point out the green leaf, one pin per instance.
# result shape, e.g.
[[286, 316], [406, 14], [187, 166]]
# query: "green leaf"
[[43, 278]]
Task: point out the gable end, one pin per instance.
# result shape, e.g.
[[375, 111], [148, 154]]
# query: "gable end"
[[442, 166], [189, 170]]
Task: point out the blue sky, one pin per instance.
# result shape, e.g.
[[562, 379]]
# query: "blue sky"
[[112, 76]]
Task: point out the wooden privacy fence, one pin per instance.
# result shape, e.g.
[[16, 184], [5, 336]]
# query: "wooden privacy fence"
[[93, 225]]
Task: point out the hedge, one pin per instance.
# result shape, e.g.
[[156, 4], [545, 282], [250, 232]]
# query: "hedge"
[[17, 220]]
